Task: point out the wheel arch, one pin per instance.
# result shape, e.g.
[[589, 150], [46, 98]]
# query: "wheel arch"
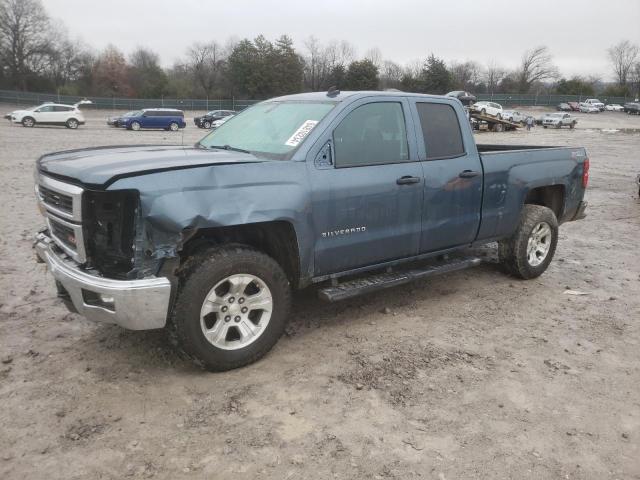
[[550, 196], [276, 238]]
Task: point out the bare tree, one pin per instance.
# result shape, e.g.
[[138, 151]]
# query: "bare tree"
[[206, 60], [374, 55], [537, 66], [466, 75], [493, 75], [391, 75], [25, 43], [622, 56]]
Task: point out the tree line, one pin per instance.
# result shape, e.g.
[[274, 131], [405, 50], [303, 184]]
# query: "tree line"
[[37, 55]]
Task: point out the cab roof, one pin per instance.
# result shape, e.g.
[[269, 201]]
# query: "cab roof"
[[353, 95]]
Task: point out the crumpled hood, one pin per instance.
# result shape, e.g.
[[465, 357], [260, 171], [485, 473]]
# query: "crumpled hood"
[[101, 165]]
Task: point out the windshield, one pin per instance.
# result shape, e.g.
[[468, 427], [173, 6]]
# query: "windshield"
[[273, 129]]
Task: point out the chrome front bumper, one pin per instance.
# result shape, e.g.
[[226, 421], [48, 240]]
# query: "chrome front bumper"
[[132, 304]]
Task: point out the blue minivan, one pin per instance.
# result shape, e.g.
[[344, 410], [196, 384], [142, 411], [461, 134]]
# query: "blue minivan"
[[165, 118]]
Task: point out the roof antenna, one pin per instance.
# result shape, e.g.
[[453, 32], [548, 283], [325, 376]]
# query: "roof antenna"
[[333, 91]]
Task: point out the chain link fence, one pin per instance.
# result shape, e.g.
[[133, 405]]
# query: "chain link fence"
[[114, 103], [508, 99]]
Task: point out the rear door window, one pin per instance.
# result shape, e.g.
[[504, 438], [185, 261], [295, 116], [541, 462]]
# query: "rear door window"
[[372, 134], [440, 130]]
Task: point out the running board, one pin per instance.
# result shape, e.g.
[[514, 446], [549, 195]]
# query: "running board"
[[372, 283]]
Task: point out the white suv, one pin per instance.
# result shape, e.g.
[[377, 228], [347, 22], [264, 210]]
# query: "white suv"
[[50, 114], [490, 108]]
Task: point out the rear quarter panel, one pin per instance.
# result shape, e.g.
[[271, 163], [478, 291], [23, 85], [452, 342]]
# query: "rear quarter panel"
[[509, 176]]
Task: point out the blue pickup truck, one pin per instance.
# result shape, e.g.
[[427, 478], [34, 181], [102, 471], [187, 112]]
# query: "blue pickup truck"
[[352, 191]]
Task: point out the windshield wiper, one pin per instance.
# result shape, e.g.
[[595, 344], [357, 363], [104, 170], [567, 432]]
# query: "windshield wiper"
[[229, 147]]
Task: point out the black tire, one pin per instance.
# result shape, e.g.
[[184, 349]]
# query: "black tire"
[[207, 125], [72, 123], [513, 250], [28, 122], [199, 275], [572, 125]]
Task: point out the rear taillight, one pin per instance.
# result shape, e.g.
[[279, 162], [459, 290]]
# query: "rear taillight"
[[585, 173]]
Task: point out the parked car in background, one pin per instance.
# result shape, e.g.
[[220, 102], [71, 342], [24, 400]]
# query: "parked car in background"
[[559, 120], [589, 108], [207, 120], [50, 113], [575, 106], [631, 108], [513, 116], [488, 108], [160, 118], [564, 107], [614, 107], [220, 121], [115, 120], [541, 118], [596, 103], [465, 97]]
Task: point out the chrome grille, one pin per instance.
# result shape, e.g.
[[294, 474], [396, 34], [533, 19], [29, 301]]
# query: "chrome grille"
[[55, 199], [61, 204]]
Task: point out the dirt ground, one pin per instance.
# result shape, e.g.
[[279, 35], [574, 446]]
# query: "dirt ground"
[[470, 375]]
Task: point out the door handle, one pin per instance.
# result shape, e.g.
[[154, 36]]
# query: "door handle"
[[468, 174], [407, 180]]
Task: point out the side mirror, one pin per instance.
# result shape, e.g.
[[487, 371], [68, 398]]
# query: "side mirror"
[[324, 158]]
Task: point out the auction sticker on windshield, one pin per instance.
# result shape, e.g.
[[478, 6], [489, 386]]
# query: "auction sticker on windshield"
[[302, 132]]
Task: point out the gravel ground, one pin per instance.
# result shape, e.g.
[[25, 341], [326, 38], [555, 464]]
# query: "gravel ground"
[[472, 375]]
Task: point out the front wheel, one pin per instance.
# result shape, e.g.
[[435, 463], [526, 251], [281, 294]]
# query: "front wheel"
[[28, 122], [135, 126], [207, 125], [528, 252], [232, 307], [572, 125]]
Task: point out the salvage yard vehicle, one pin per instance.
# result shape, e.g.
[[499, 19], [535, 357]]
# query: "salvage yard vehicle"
[[575, 106], [465, 97], [50, 113], [352, 191], [559, 120], [117, 119], [207, 120], [158, 118], [596, 103], [632, 108], [588, 108], [488, 108], [564, 107], [513, 116], [614, 107], [220, 121]]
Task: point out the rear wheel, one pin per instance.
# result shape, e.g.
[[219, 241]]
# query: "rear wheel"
[[231, 308], [173, 126], [28, 122], [72, 123], [528, 252]]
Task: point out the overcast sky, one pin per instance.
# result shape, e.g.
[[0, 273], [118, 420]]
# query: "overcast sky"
[[577, 32]]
